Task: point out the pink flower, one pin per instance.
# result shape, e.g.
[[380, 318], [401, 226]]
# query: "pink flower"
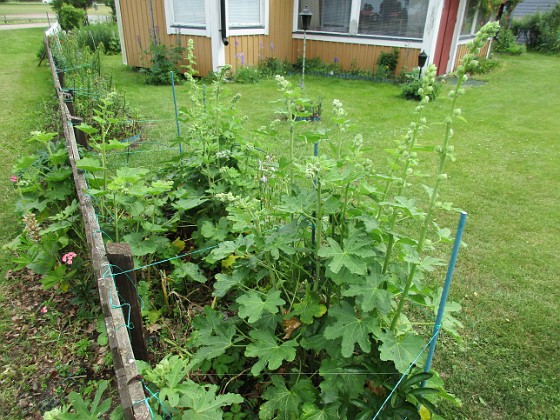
[[43, 310], [14, 179], [67, 258]]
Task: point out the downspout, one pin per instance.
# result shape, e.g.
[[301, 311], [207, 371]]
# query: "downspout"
[[121, 31], [223, 22], [154, 38]]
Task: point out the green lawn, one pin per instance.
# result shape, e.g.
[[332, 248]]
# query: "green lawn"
[[16, 12], [25, 87], [506, 175]]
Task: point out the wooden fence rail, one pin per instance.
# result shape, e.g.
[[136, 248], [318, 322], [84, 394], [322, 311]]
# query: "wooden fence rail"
[[131, 390]]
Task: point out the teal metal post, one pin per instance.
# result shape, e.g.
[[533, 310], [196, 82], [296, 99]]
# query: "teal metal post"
[[445, 292], [313, 229], [172, 73]]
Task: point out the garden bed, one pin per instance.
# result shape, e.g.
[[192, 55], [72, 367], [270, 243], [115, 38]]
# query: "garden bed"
[[291, 270]]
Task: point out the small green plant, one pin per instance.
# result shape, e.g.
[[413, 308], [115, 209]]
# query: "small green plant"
[[506, 43], [411, 85], [80, 408], [485, 65], [179, 395], [163, 60], [387, 64], [101, 34], [246, 74], [271, 66]]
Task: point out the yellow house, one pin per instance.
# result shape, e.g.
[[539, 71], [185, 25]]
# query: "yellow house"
[[243, 32]]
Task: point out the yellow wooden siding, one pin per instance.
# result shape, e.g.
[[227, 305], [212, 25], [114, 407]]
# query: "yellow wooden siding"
[[462, 50], [137, 30], [364, 57], [249, 50]]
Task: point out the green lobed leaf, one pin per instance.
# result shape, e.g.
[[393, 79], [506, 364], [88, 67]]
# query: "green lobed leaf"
[[86, 128], [356, 249], [311, 412], [449, 322], [89, 164], [59, 174], [225, 282], [184, 204], [265, 346], [206, 405], [370, 294], [252, 306], [402, 349], [215, 346], [190, 271], [309, 308], [352, 328], [284, 403], [341, 382]]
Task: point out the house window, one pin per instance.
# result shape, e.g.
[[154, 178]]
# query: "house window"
[[475, 18], [328, 15], [189, 13], [390, 18], [245, 14], [393, 18]]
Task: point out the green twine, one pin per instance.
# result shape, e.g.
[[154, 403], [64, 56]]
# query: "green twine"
[[166, 415], [437, 327]]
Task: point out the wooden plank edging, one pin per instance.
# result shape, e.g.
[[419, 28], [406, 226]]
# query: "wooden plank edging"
[[131, 391]]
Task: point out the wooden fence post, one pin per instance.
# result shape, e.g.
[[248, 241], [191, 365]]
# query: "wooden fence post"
[[81, 137], [69, 101], [120, 258]]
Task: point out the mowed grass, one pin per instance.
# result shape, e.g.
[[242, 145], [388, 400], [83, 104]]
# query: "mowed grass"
[[506, 177], [28, 8], [24, 88]]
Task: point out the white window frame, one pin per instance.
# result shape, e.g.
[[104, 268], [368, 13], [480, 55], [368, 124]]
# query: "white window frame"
[[262, 29], [352, 37], [173, 28], [212, 21]]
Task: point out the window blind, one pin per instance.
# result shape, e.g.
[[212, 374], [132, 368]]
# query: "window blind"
[[189, 12], [244, 13]]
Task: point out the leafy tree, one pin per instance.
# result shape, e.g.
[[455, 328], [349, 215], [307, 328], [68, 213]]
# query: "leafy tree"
[[78, 4], [111, 5], [71, 17]]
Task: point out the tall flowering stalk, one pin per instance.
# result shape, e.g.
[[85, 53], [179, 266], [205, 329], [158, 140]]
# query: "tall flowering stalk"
[[290, 95], [342, 124], [445, 149], [405, 156]]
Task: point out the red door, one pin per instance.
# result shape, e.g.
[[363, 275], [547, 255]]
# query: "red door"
[[445, 35]]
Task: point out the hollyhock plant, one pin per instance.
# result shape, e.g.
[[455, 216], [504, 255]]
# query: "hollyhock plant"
[[67, 258]]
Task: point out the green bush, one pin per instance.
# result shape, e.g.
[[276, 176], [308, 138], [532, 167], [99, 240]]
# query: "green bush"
[[78, 4], [485, 65], [93, 36], [271, 66], [387, 64], [541, 32], [506, 43], [411, 83], [70, 17], [247, 75], [164, 60]]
